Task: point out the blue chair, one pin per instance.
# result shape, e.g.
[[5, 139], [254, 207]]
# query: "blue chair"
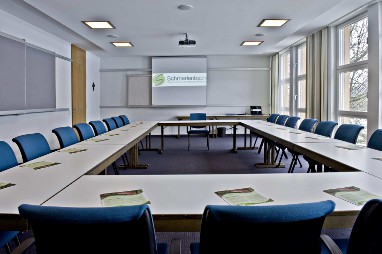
[[98, 127], [291, 228], [8, 160], [271, 119], [125, 119], [32, 146], [365, 236], [292, 121], [281, 120], [306, 125], [110, 123], [7, 157], [198, 130], [348, 132], [324, 128], [66, 136], [345, 132], [118, 121], [375, 141], [120, 229], [84, 131]]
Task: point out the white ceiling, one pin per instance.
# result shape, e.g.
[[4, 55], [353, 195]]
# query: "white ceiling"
[[156, 26]]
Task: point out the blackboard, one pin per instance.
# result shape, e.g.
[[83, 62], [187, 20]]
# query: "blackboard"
[[27, 77]]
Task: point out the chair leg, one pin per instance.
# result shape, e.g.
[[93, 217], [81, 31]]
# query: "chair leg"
[[281, 156], [261, 146], [254, 144], [124, 160], [291, 168], [114, 165], [208, 141], [299, 162], [188, 138]]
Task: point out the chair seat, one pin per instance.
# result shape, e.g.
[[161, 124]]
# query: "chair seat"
[[162, 248], [198, 131], [194, 248]]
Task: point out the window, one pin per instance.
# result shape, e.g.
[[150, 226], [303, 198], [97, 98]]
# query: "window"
[[352, 74], [284, 83], [292, 92]]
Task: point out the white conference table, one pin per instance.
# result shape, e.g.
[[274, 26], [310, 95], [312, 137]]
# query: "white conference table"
[[129, 136], [178, 201], [35, 186], [365, 159], [188, 123], [283, 135]]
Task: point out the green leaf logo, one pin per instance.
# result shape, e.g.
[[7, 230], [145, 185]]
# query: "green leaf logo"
[[159, 79]]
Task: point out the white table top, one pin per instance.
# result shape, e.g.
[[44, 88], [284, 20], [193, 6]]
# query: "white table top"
[[361, 159], [189, 194], [36, 186]]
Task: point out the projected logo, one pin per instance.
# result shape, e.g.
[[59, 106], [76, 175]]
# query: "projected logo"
[[158, 80]]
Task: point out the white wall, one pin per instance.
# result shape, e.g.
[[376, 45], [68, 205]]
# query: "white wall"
[[234, 83], [12, 126]]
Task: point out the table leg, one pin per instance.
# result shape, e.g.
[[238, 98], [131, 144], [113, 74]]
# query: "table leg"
[[245, 141], [161, 139], [269, 156], [134, 160], [178, 131], [234, 148]]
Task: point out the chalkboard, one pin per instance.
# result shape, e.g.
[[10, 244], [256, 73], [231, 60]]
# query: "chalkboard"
[[139, 90], [27, 77]]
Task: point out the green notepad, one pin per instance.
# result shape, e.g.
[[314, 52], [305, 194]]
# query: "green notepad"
[[352, 194], [6, 185], [124, 198], [40, 165], [243, 197], [73, 150]]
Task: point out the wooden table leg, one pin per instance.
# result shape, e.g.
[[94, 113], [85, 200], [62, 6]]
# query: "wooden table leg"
[[234, 148], [161, 139], [269, 156], [134, 159]]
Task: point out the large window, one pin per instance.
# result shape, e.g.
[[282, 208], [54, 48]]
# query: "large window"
[[352, 73], [292, 92], [284, 83]]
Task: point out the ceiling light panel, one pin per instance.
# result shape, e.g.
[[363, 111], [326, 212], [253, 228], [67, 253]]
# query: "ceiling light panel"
[[99, 24], [273, 22], [122, 44], [251, 43]]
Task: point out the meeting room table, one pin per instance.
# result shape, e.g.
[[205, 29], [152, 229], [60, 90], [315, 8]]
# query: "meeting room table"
[[177, 201]]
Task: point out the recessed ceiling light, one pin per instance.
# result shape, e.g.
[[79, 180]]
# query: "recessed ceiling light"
[[185, 7], [272, 22], [122, 44], [99, 24], [251, 43]]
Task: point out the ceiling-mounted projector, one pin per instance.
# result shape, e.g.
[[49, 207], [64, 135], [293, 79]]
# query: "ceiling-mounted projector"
[[186, 42]]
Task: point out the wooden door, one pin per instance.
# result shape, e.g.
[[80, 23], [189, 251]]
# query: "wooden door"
[[78, 85]]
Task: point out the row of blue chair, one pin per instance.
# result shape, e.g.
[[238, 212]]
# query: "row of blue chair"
[[35, 145], [294, 228]]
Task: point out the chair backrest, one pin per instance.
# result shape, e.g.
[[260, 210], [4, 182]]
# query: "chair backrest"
[[84, 131], [125, 119], [348, 132], [91, 230], [197, 116], [282, 119], [325, 128], [118, 121], [366, 233], [66, 136], [98, 127], [307, 124], [292, 228], [110, 123], [272, 118], [32, 146], [7, 157], [375, 141], [292, 121]]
